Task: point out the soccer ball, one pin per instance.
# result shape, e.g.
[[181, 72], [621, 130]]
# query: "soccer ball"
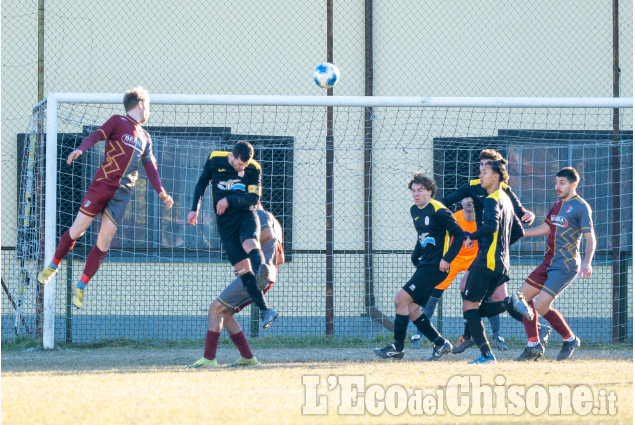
[[326, 75]]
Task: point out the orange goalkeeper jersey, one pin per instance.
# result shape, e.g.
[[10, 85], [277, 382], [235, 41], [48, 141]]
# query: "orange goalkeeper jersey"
[[468, 227], [466, 256]]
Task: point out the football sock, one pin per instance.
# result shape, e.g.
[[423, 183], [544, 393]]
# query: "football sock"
[[556, 320], [491, 308], [430, 306], [466, 331], [63, 247], [532, 343], [93, 262], [424, 326], [401, 326], [249, 282], [515, 315], [495, 324], [477, 330], [531, 326], [256, 257], [211, 343], [571, 338], [241, 343]]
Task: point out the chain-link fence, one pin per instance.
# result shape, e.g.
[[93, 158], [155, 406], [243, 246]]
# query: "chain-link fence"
[[475, 48]]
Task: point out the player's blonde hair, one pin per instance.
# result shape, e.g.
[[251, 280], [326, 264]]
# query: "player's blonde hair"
[[133, 96]]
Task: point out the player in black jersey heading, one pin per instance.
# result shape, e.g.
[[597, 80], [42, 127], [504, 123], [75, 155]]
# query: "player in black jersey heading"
[[235, 177], [433, 253]]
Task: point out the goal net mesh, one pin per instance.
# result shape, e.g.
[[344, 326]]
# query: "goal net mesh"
[[161, 274]]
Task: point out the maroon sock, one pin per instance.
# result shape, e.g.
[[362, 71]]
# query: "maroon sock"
[[531, 326], [211, 343], [556, 320], [241, 343], [63, 247], [93, 262]]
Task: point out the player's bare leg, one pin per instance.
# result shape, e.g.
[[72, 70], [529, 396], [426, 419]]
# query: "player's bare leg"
[[96, 256], [66, 243], [216, 316], [237, 336]]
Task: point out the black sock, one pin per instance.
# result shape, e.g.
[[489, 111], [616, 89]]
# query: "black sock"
[[475, 324], [424, 326], [466, 331], [492, 308], [256, 258], [401, 326], [516, 315], [249, 282]]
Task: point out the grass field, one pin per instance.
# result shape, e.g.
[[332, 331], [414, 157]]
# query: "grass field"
[[132, 385]]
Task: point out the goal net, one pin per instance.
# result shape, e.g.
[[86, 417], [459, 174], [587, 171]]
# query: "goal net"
[[335, 171]]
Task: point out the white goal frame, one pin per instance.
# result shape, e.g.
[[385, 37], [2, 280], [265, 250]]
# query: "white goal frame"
[[54, 99]]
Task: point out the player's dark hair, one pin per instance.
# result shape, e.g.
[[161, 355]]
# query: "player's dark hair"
[[491, 155], [243, 150], [134, 96], [499, 168], [420, 178], [570, 174]]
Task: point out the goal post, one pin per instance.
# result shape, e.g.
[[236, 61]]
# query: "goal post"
[[402, 126]]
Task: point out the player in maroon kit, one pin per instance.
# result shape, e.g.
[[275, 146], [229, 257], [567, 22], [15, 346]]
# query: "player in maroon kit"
[[127, 144], [567, 221]]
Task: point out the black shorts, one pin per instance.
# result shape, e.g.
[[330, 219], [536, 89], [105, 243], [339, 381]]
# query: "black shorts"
[[422, 283], [481, 283], [234, 230]]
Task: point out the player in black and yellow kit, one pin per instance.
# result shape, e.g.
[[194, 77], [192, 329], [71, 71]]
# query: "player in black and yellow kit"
[[500, 229], [235, 177], [439, 240], [474, 190]]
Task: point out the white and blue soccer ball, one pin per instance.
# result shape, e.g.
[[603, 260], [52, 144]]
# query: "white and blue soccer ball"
[[326, 75]]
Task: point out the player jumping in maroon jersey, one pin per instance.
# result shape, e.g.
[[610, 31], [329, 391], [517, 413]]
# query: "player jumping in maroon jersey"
[[566, 222], [127, 144]]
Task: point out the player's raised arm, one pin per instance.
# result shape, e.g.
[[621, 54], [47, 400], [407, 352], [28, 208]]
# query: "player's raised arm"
[[98, 135], [199, 191], [523, 214], [457, 196], [152, 172]]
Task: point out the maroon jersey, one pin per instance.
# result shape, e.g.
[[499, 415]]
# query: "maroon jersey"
[[567, 221], [127, 144]]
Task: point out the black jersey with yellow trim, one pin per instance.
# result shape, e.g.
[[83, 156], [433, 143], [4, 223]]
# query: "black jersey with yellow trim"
[[474, 190], [499, 230], [439, 236], [242, 190]]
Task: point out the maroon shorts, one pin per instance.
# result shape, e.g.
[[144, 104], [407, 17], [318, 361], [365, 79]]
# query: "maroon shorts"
[[551, 280], [107, 199]]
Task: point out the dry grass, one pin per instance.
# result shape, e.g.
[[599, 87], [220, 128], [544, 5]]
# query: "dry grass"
[[150, 386]]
